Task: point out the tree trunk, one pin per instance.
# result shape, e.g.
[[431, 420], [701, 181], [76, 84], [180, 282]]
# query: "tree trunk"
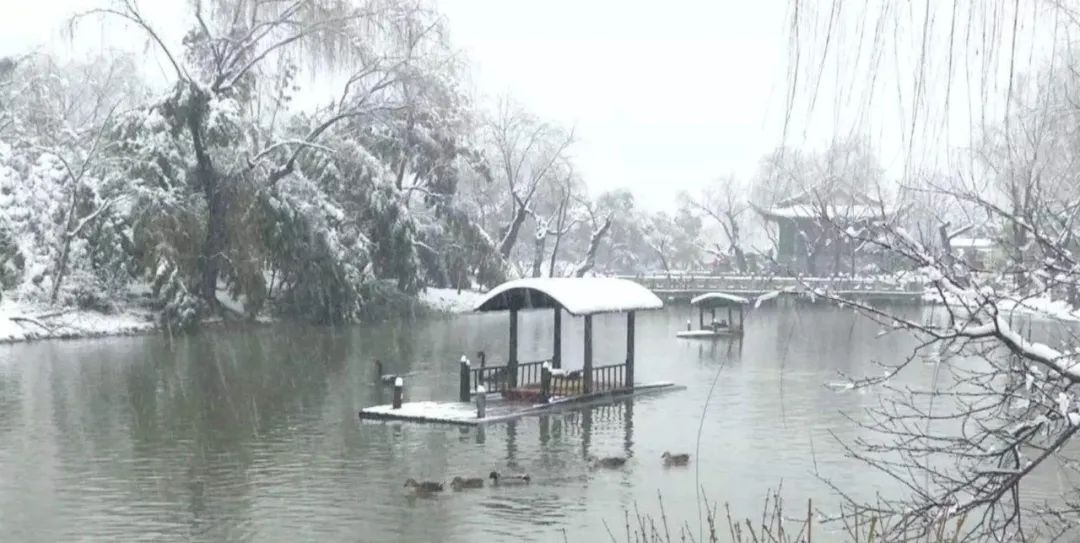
[[65, 247], [510, 238], [740, 258], [554, 253], [946, 245], [538, 253], [1019, 236], [590, 255], [214, 246], [838, 253], [216, 234]]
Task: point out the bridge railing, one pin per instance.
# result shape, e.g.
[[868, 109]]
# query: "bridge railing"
[[747, 283]]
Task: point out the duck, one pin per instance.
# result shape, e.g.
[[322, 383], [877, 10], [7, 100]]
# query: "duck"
[[384, 378], [425, 488], [515, 479], [680, 459], [610, 462], [472, 482]]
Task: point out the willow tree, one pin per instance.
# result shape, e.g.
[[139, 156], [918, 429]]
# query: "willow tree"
[[985, 91], [523, 152], [221, 154]]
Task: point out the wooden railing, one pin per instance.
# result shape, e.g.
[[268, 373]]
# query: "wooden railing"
[[572, 383], [529, 373], [564, 384], [608, 377], [546, 384], [499, 378]]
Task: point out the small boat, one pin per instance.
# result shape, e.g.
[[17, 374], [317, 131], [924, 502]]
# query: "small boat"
[[716, 329]]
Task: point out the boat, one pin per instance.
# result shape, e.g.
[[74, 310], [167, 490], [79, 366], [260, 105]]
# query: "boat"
[[716, 329]]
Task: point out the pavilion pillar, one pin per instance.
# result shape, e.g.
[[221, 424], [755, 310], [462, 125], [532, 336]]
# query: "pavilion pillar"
[[512, 360], [701, 317], [556, 351], [587, 369], [629, 350]]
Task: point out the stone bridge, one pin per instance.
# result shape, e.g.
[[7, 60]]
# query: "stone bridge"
[[683, 286]]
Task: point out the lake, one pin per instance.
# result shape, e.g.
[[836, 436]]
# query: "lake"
[[253, 434]]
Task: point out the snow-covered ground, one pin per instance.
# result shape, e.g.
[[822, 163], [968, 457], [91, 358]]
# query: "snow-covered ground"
[[21, 321], [450, 300], [25, 322]]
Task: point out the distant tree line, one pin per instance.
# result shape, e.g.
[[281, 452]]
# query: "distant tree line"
[[217, 186]]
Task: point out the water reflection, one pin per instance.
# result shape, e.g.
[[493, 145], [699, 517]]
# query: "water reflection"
[[253, 435]]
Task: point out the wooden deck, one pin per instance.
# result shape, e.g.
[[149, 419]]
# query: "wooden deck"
[[501, 410], [708, 334]]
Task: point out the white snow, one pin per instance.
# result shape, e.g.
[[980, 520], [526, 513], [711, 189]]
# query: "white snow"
[[450, 300], [428, 410], [766, 297], [972, 243], [25, 322], [578, 296], [718, 297], [1041, 306], [497, 410], [232, 304], [1064, 401], [804, 211]]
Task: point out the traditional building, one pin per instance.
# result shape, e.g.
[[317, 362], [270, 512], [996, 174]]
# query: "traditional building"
[[812, 231]]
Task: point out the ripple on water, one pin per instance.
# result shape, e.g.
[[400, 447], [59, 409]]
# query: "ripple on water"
[[252, 436]]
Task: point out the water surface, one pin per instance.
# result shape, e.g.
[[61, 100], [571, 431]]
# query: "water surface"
[[252, 435]]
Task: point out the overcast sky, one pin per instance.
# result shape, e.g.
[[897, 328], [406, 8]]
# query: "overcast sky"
[[663, 96]]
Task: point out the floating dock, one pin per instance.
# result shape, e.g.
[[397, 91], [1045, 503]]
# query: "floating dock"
[[501, 410]]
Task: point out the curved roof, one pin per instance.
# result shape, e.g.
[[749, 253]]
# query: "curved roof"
[[719, 299], [578, 296]]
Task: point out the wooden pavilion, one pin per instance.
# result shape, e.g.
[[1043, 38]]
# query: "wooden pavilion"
[[580, 297], [534, 388], [727, 328]]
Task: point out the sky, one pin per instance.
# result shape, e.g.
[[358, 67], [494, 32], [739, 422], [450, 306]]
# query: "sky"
[[662, 96]]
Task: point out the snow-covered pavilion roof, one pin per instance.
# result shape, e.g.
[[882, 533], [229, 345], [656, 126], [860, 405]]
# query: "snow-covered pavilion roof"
[[719, 299], [578, 296], [804, 211], [832, 201]]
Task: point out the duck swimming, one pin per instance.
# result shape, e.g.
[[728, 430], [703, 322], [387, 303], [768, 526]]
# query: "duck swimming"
[[681, 459], [610, 462], [425, 488], [516, 479], [472, 482]]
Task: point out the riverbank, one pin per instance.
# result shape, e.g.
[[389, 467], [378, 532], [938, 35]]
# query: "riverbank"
[[23, 321], [448, 300]]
